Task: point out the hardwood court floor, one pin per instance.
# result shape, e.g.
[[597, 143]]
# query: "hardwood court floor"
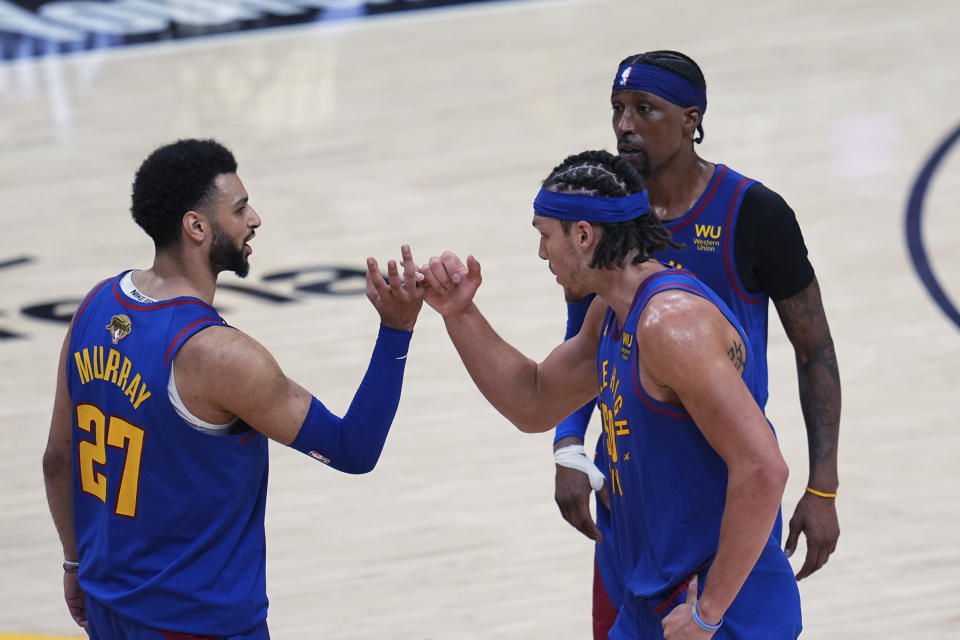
[[435, 129]]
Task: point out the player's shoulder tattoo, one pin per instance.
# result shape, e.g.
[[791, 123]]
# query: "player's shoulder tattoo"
[[737, 354]]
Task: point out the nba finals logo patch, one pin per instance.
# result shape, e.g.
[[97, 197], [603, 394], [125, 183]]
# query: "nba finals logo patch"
[[119, 327], [625, 76]]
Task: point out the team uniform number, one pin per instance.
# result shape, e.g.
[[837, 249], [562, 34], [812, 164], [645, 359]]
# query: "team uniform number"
[[109, 432]]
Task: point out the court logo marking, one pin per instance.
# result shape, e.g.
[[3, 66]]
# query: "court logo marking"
[[913, 227]]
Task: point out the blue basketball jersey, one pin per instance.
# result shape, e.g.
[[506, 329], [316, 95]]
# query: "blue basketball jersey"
[[168, 518], [708, 231], [667, 484]]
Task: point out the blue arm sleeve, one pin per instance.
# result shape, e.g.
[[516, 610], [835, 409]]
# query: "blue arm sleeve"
[[576, 314], [353, 443], [576, 423]]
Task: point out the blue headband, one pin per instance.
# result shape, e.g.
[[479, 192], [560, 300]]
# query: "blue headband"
[[660, 82], [577, 206]]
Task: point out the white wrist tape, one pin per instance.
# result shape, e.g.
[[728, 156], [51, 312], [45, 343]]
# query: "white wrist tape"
[[574, 457]]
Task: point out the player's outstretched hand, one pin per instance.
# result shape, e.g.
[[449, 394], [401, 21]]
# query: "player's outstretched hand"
[[451, 284], [397, 301]]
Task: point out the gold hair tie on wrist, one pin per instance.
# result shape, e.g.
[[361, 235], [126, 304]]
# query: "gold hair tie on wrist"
[[821, 493]]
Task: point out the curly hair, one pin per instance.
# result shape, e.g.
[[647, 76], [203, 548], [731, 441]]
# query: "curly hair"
[[174, 179], [600, 173], [676, 62]]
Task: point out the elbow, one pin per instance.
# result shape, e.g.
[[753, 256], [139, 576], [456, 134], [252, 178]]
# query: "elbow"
[[359, 465], [528, 421], [765, 480], [816, 349], [772, 476], [56, 462], [359, 469], [779, 474], [532, 426]]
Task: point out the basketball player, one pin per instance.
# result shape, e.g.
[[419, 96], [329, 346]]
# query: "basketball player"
[[156, 464], [695, 473], [743, 241]]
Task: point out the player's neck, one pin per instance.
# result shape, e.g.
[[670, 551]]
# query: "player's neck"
[[173, 275], [619, 286], [676, 186]]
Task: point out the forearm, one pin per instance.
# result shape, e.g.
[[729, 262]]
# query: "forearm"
[[818, 377], [58, 460], [576, 314], [354, 442], [59, 487], [566, 441], [505, 377], [752, 503], [576, 423]]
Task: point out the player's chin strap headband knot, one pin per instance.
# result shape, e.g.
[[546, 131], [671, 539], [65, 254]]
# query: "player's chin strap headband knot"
[[577, 206]]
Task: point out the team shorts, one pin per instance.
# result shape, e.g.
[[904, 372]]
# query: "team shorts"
[[766, 608], [105, 624]]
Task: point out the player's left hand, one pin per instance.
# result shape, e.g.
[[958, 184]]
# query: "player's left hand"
[[679, 623], [76, 600], [451, 284], [816, 517], [397, 301]]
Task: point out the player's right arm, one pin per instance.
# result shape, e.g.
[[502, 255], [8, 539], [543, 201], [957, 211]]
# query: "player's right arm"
[[58, 481], [534, 397], [222, 372]]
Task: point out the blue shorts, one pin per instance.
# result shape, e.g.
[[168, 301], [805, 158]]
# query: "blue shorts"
[[767, 607], [107, 625]]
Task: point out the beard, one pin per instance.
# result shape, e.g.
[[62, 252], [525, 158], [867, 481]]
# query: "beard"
[[641, 163], [224, 256]]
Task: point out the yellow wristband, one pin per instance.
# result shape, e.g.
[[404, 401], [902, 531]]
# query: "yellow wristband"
[[821, 493]]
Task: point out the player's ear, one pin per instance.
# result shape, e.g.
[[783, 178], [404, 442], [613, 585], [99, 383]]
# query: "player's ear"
[[692, 117], [195, 226], [585, 234]]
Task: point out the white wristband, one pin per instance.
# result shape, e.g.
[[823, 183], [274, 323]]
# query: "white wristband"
[[574, 457]]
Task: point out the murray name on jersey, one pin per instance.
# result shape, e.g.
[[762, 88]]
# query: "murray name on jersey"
[[109, 365]]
